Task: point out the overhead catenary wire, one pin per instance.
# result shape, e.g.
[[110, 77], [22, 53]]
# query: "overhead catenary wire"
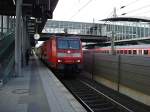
[[80, 9], [123, 6], [143, 12], [131, 3], [137, 9], [110, 15]]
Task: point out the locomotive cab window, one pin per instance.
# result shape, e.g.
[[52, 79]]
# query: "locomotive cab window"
[[74, 44], [68, 44], [62, 44]]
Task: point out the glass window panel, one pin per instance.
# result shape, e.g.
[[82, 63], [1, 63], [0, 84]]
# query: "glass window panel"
[[68, 43], [134, 52], [145, 52], [129, 52]]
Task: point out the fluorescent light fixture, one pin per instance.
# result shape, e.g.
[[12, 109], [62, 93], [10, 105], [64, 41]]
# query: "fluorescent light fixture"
[[78, 61], [14, 2], [32, 17]]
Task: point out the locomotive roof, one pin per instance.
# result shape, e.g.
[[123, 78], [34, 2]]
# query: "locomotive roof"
[[131, 46], [68, 37]]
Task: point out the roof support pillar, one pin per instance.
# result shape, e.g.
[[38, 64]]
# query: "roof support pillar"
[[11, 23], [1, 25], [25, 41], [17, 38], [8, 17]]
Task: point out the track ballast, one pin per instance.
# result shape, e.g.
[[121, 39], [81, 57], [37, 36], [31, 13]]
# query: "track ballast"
[[92, 99]]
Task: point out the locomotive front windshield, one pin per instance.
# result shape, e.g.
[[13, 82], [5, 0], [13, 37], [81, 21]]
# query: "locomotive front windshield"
[[68, 44]]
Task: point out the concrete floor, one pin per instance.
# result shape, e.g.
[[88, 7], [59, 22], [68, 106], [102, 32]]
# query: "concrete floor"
[[37, 90]]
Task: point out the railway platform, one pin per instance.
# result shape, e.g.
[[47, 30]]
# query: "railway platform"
[[37, 90]]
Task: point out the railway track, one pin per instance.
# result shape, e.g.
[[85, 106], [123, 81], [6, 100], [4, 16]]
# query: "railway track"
[[92, 99]]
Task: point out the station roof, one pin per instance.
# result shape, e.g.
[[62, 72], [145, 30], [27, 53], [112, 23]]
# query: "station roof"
[[7, 7], [129, 19], [35, 8], [40, 10]]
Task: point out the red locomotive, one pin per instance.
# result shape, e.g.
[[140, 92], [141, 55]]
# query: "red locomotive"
[[63, 52]]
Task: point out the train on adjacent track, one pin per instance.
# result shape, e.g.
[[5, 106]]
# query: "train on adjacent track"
[[62, 53], [126, 50]]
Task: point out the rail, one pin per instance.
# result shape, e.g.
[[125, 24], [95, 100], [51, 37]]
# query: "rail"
[[92, 99]]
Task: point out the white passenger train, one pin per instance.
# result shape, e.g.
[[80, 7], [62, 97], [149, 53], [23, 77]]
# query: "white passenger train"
[[128, 49]]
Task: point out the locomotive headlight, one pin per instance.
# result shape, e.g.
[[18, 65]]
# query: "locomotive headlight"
[[59, 61], [78, 61]]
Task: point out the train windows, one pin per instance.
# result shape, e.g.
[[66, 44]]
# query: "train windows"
[[145, 52], [134, 51], [62, 44], [125, 51], [121, 51], [74, 44], [129, 52]]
